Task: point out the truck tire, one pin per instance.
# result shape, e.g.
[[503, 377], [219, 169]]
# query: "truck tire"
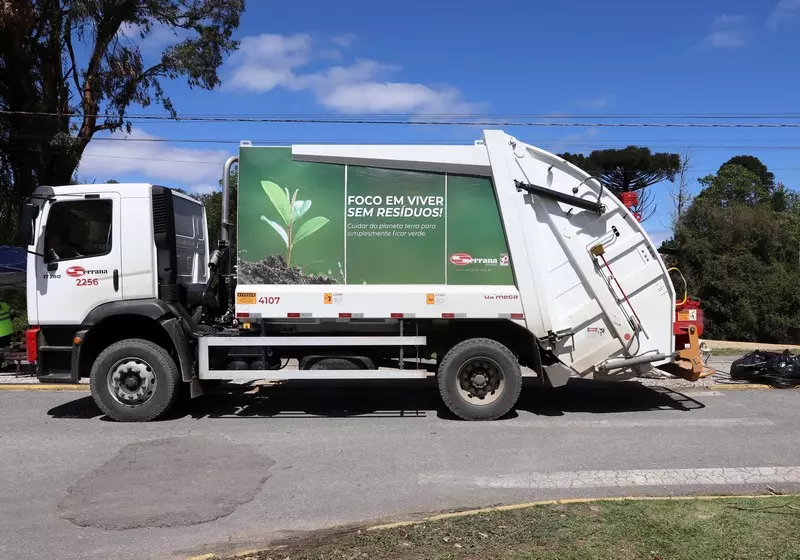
[[479, 379], [135, 380]]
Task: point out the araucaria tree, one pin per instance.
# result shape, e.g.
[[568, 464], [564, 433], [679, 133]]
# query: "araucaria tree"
[[630, 169], [72, 68]]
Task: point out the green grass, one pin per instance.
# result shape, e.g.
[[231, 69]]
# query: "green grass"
[[729, 352], [730, 529]]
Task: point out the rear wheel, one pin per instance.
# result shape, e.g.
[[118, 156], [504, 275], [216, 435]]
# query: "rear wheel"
[[479, 379], [135, 380]]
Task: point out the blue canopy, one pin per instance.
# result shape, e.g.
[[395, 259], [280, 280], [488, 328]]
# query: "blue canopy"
[[12, 265]]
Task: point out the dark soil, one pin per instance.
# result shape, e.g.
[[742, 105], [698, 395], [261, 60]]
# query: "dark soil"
[[274, 270]]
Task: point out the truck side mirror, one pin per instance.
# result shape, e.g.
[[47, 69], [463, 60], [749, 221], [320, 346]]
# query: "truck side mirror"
[[50, 258], [26, 225]]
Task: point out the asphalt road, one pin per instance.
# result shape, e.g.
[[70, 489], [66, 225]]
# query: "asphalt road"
[[234, 472]]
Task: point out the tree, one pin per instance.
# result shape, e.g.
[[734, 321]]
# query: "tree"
[[60, 58], [8, 214], [754, 165], [681, 197], [213, 204], [734, 185], [630, 169], [740, 256]]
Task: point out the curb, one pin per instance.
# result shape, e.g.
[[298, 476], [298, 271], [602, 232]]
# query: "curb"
[[43, 387], [523, 505]]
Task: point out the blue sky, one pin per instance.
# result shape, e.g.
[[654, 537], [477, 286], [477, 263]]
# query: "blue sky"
[[590, 58]]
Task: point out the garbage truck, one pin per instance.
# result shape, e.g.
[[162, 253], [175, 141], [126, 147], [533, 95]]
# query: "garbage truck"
[[473, 264]]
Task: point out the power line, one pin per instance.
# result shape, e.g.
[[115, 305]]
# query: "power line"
[[221, 161], [413, 116], [561, 144], [583, 143], [429, 122]]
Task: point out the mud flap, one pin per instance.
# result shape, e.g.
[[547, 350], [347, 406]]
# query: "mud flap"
[[557, 374], [195, 389], [687, 364]]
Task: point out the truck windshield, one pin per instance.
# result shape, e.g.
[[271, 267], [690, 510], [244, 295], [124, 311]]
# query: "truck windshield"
[[78, 229]]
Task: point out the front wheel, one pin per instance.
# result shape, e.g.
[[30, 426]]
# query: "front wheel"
[[479, 379], [135, 380]]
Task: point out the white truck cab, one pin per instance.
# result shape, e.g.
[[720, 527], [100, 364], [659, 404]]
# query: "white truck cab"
[[94, 258]]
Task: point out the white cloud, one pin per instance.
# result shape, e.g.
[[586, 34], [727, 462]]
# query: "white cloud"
[[728, 31], [269, 61], [334, 77], [394, 97], [149, 161], [785, 11], [273, 50], [160, 36]]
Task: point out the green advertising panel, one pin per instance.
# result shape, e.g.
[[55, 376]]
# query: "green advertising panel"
[[474, 229], [290, 219], [395, 227], [308, 223]]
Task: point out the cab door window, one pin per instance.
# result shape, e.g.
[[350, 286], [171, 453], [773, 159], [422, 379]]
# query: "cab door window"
[[78, 229]]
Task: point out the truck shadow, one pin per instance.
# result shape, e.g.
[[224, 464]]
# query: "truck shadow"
[[395, 399]]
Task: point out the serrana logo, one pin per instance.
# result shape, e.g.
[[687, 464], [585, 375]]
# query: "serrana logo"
[[464, 259], [78, 271]]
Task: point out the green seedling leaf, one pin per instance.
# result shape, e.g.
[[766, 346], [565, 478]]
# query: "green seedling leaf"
[[277, 227], [309, 227], [299, 208], [279, 201]]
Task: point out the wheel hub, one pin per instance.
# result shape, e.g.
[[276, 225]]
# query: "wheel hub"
[[131, 381], [480, 380]]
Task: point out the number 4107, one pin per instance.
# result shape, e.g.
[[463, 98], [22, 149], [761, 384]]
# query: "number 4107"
[[271, 300]]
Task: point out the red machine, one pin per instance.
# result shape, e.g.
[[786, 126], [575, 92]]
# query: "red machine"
[[688, 313], [629, 200]]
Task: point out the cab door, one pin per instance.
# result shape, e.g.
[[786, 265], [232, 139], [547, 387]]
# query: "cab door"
[[79, 266]]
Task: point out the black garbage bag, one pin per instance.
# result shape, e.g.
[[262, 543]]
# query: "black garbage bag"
[[772, 368]]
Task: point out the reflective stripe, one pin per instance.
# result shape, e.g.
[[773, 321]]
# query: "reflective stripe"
[[5, 316]]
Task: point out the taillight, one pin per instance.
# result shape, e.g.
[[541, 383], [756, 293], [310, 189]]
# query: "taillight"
[[32, 344]]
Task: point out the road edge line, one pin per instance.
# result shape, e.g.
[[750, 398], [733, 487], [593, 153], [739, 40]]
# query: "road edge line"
[[242, 554], [43, 387], [740, 387]]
